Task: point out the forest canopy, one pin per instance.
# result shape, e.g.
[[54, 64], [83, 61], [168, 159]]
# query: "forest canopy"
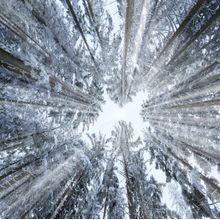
[[147, 71]]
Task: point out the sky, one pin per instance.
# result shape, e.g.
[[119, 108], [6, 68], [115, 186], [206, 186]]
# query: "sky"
[[111, 114]]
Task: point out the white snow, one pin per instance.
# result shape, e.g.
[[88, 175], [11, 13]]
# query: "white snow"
[[122, 183], [140, 31], [158, 175], [111, 7], [173, 198]]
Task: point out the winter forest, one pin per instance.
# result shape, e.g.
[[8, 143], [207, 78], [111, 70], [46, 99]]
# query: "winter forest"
[[109, 109]]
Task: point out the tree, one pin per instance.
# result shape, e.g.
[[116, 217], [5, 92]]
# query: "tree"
[[143, 195], [177, 168]]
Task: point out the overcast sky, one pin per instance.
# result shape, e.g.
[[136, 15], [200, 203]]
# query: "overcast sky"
[[112, 114]]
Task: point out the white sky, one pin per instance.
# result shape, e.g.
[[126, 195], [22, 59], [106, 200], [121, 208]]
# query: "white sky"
[[112, 114]]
